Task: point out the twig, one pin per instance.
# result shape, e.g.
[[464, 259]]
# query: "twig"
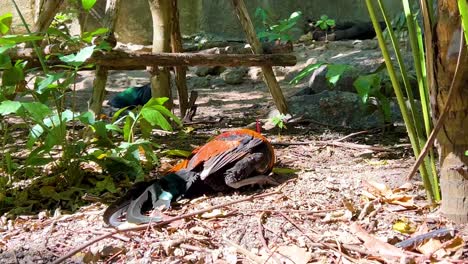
[[244, 251], [443, 115], [162, 223], [261, 230], [352, 135], [333, 143]]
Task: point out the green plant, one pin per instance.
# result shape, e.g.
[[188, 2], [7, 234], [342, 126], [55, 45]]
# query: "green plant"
[[325, 23], [60, 137], [276, 30], [279, 121], [418, 127], [333, 75]]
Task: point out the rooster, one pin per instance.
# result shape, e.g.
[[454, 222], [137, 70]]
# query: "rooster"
[[231, 160]]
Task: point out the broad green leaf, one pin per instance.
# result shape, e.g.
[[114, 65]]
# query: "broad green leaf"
[[155, 118], [5, 23], [35, 132], [118, 113], [305, 72], [9, 107], [284, 171], [106, 185], [5, 61], [364, 84], [88, 36], [177, 153], [14, 39], [466, 152], [127, 126], [79, 58], [38, 161], [88, 4], [49, 192], [334, 72], [146, 128], [55, 32], [12, 76], [167, 113], [112, 127], [87, 118], [156, 101], [38, 111], [48, 83]]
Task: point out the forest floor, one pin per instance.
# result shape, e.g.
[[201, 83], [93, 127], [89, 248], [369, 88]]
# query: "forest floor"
[[343, 199]]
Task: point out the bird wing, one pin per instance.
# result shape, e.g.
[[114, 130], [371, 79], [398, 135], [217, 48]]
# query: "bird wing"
[[216, 163]]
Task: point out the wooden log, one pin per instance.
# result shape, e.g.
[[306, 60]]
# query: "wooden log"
[[123, 60], [180, 71], [268, 74], [161, 14], [99, 84]]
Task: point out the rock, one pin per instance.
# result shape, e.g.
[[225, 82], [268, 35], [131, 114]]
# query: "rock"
[[202, 71], [199, 82], [234, 75], [341, 109]]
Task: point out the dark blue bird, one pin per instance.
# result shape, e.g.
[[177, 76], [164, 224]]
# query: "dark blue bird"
[[132, 97]]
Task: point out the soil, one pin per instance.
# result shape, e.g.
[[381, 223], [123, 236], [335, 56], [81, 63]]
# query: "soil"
[[326, 189]]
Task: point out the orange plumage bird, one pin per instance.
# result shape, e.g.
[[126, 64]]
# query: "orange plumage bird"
[[231, 160]]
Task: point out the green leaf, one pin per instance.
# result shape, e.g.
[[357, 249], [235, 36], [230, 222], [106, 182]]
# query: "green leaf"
[[466, 152], [38, 111], [364, 84], [14, 39], [167, 113], [156, 101], [331, 22], [13, 76], [88, 36], [334, 72], [177, 153], [48, 83], [9, 107], [155, 118], [5, 61], [127, 126], [88, 4], [87, 118], [5, 23], [106, 185], [34, 160], [49, 192], [305, 72], [146, 128], [79, 58], [284, 171]]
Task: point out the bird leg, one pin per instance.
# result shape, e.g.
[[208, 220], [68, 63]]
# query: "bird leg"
[[260, 180]]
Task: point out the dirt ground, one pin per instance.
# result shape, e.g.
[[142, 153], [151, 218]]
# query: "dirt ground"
[[328, 208]]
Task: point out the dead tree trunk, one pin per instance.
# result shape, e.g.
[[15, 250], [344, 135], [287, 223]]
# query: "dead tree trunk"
[[99, 84], [453, 137], [268, 74], [180, 71], [160, 76], [45, 11]]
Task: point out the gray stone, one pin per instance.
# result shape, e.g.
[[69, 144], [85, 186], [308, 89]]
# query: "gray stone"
[[206, 70], [234, 75], [342, 109], [198, 82]]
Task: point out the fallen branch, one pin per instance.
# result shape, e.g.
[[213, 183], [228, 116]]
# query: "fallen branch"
[[162, 223], [332, 143]]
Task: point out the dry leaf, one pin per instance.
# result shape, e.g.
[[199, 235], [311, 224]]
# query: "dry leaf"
[[294, 254], [429, 247], [216, 213], [403, 226], [375, 245]]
